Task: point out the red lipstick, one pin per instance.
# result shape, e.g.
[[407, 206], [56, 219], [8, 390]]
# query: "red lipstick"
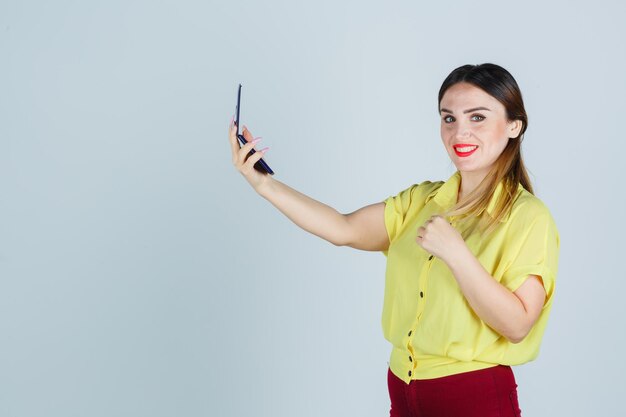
[[464, 145]]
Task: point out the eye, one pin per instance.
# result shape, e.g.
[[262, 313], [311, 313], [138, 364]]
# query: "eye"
[[445, 119]]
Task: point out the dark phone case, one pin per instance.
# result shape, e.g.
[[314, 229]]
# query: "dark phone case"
[[260, 165]]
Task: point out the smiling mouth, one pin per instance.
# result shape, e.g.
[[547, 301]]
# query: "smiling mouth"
[[465, 150]]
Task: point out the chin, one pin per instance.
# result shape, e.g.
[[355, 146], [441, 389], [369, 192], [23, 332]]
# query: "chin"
[[461, 166]]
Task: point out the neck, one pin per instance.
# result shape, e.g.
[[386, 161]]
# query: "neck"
[[469, 181]]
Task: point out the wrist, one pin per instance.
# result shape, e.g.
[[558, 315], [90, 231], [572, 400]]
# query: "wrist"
[[263, 188], [457, 256]]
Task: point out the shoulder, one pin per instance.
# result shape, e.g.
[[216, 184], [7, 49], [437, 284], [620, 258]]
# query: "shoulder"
[[417, 191], [528, 209], [428, 185], [427, 188]]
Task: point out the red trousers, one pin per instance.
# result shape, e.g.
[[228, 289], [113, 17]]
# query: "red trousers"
[[489, 392]]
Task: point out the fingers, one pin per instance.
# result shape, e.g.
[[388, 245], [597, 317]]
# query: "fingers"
[[436, 217], [232, 137], [422, 231], [237, 151], [248, 166], [442, 218], [247, 134], [242, 153]]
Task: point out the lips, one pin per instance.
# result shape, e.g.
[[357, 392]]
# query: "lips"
[[464, 149]]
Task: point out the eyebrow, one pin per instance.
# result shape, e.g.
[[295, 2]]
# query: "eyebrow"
[[466, 111]]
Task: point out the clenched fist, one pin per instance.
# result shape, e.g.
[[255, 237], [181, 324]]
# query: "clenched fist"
[[439, 238]]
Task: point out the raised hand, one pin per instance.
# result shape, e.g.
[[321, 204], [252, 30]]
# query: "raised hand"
[[243, 162]]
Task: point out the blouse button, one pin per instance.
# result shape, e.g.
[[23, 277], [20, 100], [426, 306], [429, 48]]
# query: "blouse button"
[[410, 359], [410, 333], [422, 294], [409, 373], [430, 257]]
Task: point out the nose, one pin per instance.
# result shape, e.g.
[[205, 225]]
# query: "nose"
[[463, 131]]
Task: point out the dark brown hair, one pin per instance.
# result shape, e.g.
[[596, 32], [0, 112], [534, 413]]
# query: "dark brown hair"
[[509, 167]]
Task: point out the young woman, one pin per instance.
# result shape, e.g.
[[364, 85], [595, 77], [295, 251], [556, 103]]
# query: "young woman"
[[471, 261]]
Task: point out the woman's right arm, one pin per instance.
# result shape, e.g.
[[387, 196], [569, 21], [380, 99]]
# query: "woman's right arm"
[[362, 229]]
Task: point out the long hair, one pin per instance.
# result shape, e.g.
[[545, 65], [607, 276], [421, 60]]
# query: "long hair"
[[509, 167]]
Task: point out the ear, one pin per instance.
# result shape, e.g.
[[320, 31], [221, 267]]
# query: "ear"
[[514, 128]]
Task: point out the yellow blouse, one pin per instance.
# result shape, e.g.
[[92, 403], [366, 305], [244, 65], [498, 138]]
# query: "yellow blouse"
[[433, 329]]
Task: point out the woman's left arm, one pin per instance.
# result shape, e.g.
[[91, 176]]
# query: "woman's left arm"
[[512, 314]]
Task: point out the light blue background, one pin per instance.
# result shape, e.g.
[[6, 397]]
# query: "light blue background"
[[140, 275]]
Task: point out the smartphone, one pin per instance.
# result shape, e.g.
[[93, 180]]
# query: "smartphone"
[[260, 165]]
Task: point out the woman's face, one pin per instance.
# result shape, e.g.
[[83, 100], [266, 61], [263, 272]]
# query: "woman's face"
[[474, 127]]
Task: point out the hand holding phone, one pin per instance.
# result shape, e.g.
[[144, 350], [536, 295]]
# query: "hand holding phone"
[[260, 165]]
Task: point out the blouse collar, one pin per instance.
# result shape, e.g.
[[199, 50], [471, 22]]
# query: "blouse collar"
[[446, 195]]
